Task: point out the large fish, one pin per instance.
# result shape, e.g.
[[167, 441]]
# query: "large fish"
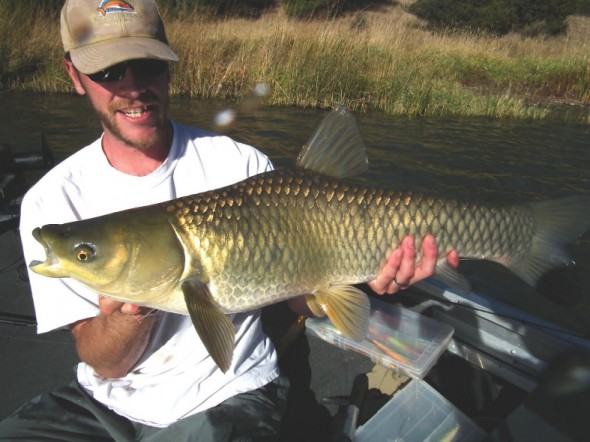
[[285, 233]]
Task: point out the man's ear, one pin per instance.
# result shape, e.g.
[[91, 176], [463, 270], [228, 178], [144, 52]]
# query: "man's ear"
[[74, 75]]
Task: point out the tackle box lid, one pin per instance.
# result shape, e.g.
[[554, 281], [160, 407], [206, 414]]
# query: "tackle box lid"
[[397, 338], [417, 412]]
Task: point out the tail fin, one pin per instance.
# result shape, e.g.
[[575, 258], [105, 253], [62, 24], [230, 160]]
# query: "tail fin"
[[560, 222]]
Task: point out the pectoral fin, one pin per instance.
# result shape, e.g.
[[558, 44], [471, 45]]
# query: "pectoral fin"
[[214, 327], [347, 307]]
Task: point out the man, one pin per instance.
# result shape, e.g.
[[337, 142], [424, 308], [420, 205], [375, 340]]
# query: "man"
[[144, 374]]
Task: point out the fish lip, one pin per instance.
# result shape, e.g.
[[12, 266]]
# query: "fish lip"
[[35, 263], [51, 263], [38, 235]]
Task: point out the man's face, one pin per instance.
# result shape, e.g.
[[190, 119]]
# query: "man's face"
[[132, 109]]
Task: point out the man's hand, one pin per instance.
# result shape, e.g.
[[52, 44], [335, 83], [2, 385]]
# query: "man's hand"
[[108, 307], [401, 269], [113, 341]]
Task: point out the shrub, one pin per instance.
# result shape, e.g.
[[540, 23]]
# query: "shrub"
[[215, 8], [500, 16]]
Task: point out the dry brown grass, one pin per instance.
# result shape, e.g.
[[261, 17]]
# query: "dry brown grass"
[[374, 52], [386, 60]]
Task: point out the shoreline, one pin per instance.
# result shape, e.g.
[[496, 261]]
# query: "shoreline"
[[567, 113]]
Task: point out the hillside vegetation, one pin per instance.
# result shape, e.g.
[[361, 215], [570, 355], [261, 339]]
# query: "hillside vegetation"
[[380, 58]]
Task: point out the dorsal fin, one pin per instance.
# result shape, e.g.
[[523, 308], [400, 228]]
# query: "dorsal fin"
[[336, 148]]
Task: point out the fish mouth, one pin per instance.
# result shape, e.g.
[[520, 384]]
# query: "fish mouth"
[[51, 266]]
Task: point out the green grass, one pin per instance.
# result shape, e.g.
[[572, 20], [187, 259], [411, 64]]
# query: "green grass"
[[392, 63]]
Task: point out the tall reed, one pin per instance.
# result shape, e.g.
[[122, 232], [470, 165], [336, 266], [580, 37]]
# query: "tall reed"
[[386, 60], [30, 48]]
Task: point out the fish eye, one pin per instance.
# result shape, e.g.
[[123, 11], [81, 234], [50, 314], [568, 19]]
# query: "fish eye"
[[84, 252]]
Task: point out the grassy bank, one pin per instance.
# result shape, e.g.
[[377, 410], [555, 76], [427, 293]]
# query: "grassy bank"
[[383, 60]]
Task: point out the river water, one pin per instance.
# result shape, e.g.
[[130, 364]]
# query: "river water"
[[482, 159]]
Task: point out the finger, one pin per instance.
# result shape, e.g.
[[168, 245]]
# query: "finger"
[[407, 267], [453, 258], [108, 306], [381, 284], [130, 309], [394, 288], [427, 266]]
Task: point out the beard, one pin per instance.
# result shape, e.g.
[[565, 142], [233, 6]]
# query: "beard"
[[109, 121]]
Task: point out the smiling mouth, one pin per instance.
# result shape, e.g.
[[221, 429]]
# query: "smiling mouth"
[[136, 112]]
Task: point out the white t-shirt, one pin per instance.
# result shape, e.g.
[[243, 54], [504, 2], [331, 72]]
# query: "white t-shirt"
[[175, 377]]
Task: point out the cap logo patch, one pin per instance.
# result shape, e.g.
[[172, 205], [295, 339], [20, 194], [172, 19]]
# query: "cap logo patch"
[[109, 6]]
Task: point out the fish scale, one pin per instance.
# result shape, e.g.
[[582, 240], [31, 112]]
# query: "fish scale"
[[290, 232]]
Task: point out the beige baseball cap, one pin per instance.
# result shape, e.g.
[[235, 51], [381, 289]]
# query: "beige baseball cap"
[[101, 33]]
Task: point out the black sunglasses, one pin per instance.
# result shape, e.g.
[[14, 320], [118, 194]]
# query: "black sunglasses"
[[143, 69]]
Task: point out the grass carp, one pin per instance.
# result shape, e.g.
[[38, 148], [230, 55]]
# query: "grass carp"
[[295, 232]]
